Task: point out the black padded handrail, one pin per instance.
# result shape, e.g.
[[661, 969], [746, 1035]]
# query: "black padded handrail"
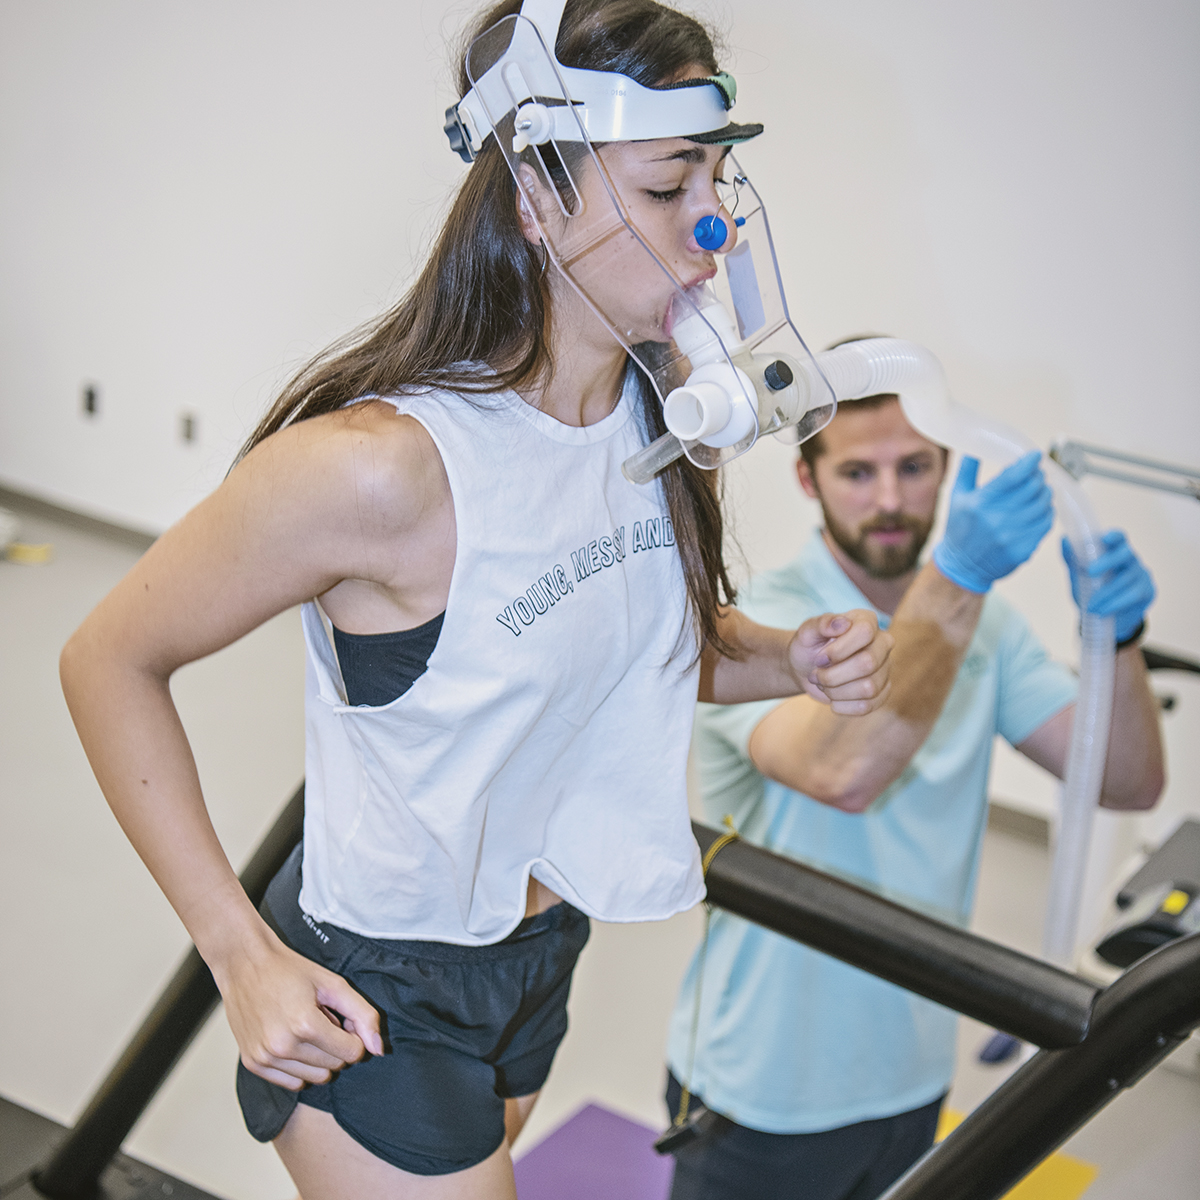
[[1136, 1023], [1024, 996]]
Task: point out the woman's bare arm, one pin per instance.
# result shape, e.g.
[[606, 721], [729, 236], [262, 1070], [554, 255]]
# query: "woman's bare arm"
[[840, 659], [338, 498]]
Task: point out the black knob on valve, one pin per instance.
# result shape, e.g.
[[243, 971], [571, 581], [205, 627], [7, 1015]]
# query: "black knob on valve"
[[778, 375]]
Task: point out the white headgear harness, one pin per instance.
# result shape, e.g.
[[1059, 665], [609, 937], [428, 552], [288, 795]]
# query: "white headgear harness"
[[609, 106]]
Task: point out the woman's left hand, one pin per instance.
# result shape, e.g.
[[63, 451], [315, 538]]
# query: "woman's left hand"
[[841, 659]]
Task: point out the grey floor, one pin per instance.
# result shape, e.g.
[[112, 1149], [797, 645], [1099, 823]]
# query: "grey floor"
[[87, 940]]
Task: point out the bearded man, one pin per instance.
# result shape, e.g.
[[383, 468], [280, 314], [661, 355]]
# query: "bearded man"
[[827, 1080]]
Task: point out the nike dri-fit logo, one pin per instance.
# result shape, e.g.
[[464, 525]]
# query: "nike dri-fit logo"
[[315, 928], [599, 554]]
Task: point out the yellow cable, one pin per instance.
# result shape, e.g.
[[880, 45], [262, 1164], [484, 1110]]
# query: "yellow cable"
[[718, 845]]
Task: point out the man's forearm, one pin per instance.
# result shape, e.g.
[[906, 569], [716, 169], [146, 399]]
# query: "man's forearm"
[[933, 627], [1133, 771], [848, 762]]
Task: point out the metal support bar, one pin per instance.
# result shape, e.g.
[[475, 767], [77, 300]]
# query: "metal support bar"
[[1024, 996], [1136, 1023], [175, 1019], [1076, 459]]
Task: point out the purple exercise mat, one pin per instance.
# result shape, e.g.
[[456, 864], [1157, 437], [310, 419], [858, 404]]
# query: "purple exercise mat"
[[595, 1155]]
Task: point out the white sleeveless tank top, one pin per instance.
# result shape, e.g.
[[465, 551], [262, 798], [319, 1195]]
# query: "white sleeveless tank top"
[[549, 734]]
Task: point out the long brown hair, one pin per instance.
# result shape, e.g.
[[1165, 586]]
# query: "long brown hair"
[[481, 296]]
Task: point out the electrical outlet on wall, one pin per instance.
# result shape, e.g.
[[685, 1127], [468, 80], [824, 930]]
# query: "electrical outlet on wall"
[[189, 427], [89, 400]]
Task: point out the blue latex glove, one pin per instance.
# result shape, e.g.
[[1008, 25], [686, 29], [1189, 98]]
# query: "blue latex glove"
[[992, 530], [1125, 588]]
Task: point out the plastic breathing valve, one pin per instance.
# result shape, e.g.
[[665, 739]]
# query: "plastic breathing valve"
[[732, 394], [713, 406]]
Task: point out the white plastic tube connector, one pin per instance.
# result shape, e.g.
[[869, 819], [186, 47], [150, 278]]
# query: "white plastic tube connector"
[[714, 406], [703, 333], [882, 365]]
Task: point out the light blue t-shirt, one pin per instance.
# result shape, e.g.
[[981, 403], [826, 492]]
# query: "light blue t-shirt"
[[790, 1040]]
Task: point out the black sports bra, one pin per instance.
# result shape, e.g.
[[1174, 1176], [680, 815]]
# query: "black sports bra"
[[378, 668]]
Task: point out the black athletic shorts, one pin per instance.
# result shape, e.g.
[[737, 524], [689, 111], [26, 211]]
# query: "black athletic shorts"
[[464, 1027]]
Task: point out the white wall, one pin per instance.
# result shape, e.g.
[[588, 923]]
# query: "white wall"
[[196, 197]]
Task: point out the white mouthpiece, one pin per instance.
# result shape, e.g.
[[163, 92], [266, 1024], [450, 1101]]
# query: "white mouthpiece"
[[697, 411], [713, 407]]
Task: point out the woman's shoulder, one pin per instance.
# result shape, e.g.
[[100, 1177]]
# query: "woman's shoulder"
[[366, 456]]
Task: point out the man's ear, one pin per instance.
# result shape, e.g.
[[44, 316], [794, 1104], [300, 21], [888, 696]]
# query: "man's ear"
[[527, 200], [807, 482]]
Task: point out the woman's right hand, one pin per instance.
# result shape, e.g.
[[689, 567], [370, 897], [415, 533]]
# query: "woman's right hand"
[[295, 1022]]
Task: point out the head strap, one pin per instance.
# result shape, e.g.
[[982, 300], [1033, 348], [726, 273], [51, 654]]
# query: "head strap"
[[605, 105]]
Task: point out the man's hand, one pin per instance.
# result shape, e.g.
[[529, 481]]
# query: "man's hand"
[[842, 659], [992, 530], [1133, 771], [1121, 587]]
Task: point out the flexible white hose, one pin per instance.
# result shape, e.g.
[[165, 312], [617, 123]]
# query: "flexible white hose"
[[882, 365]]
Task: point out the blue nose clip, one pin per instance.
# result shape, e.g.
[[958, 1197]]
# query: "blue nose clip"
[[710, 232]]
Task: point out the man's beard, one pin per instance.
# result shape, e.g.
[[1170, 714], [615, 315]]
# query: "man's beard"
[[882, 561]]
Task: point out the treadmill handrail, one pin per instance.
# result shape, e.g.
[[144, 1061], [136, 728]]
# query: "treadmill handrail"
[[1137, 1021], [1128, 1028], [1024, 996]]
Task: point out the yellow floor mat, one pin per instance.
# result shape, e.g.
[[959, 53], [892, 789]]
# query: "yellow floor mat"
[[1060, 1177]]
